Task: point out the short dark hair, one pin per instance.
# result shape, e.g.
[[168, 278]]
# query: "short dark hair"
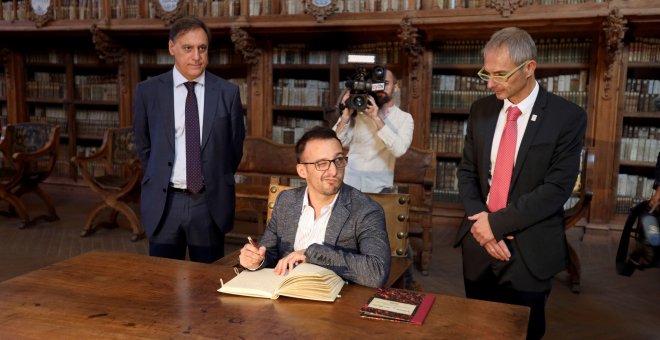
[[317, 132], [185, 24]]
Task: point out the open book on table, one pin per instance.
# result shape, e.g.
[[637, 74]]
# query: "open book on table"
[[305, 281], [398, 305]]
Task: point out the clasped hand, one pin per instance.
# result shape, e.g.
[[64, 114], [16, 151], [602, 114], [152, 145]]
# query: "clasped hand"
[[482, 233]]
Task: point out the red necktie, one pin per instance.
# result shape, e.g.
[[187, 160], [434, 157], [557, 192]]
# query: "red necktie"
[[194, 181], [506, 152]]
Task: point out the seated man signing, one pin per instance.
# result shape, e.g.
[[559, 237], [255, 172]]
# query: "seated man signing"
[[326, 222]]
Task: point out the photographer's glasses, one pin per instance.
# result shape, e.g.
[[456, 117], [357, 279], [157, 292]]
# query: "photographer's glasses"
[[503, 78], [323, 165]]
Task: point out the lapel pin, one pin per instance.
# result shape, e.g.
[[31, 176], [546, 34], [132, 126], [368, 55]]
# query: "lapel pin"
[[533, 118]]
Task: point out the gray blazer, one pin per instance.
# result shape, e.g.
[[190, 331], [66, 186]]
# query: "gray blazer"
[[356, 246]]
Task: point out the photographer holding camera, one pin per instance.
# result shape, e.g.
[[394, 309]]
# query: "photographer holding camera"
[[375, 134], [654, 202]]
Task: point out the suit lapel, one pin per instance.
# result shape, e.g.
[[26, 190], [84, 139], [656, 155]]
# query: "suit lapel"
[[532, 129], [211, 97], [338, 217], [167, 86], [488, 132]]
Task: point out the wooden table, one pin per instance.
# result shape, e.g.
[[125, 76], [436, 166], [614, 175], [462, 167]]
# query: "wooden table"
[[111, 295]]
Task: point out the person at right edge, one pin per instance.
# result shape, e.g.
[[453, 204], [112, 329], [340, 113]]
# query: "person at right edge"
[[519, 165]]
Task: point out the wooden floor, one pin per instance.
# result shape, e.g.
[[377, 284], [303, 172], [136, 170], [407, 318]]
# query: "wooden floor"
[[609, 307]]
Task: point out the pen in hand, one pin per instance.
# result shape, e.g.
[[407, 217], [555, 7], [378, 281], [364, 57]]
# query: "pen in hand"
[[254, 244]]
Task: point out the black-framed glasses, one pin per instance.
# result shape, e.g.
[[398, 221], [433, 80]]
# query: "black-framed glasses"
[[324, 164], [502, 78]]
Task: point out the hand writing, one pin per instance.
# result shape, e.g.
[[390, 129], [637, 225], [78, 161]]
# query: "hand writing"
[[251, 257]]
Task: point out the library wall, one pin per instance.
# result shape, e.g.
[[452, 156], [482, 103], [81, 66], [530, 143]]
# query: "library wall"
[[76, 64]]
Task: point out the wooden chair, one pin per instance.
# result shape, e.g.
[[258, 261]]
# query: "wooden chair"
[[576, 209], [396, 208], [262, 158], [29, 152], [114, 173], [414, 174]]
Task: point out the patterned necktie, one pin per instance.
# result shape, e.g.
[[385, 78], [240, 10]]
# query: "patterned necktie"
[[506, 152], [193, 159]]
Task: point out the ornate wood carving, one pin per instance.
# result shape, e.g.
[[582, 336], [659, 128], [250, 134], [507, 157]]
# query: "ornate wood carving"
[[106, 47], [169, 16], [615, 29], [505, 7], [42, 12], [320, 9], [408, 35], [247, 46]]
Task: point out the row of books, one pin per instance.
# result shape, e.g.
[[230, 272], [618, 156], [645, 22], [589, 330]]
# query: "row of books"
[[63, 123], [218, 56], [296, 122], [549, 51], [368, 6], [97, 116], [640, 143], [41, 89], [646, 50], [243, 88], [455, 99], [639, 149], [634, 186], [452, 82], [97, 87], [289, 135], [300, 92], [576, 82], [298, 54], [445, 176], [451, 196], [448, 135], [624, 204]]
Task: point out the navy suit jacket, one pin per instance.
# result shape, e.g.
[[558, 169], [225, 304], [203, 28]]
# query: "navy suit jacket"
[[221, 145], [543, 178], [355, 247]]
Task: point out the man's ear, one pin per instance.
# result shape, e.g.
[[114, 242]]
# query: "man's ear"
[[302, 170], [171, 47]]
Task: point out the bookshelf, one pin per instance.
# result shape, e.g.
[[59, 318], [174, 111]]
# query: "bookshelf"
[[436, 91], [640, 123]]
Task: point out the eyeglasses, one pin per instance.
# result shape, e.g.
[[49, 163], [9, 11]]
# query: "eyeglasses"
[[500, 79], [322, 165]]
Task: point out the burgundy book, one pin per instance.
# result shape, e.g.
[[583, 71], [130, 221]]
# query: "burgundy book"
[[398, 305]]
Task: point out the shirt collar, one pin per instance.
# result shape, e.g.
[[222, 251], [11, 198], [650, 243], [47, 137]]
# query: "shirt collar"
[[329, 206], [179, 79], [526, 104]]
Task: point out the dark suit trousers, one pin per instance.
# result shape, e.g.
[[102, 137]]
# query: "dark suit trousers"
[[187, 223], [507, 282], [488, 289]]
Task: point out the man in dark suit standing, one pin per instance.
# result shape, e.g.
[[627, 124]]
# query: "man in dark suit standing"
[[519, 166], [189, 132]]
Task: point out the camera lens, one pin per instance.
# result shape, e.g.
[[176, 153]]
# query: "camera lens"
[[358, 101], [378, 73]]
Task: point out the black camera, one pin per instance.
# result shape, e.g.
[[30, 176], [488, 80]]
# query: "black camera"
[[362, 84]]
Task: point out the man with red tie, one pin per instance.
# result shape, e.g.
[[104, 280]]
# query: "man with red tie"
[[519, 166]]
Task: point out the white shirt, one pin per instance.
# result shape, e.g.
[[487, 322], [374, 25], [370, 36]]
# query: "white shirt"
[[372, 153], [525, 107], [178, 178], [312, 230]]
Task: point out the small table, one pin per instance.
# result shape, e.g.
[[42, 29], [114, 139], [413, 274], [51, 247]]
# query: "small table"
[[109, 295]]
